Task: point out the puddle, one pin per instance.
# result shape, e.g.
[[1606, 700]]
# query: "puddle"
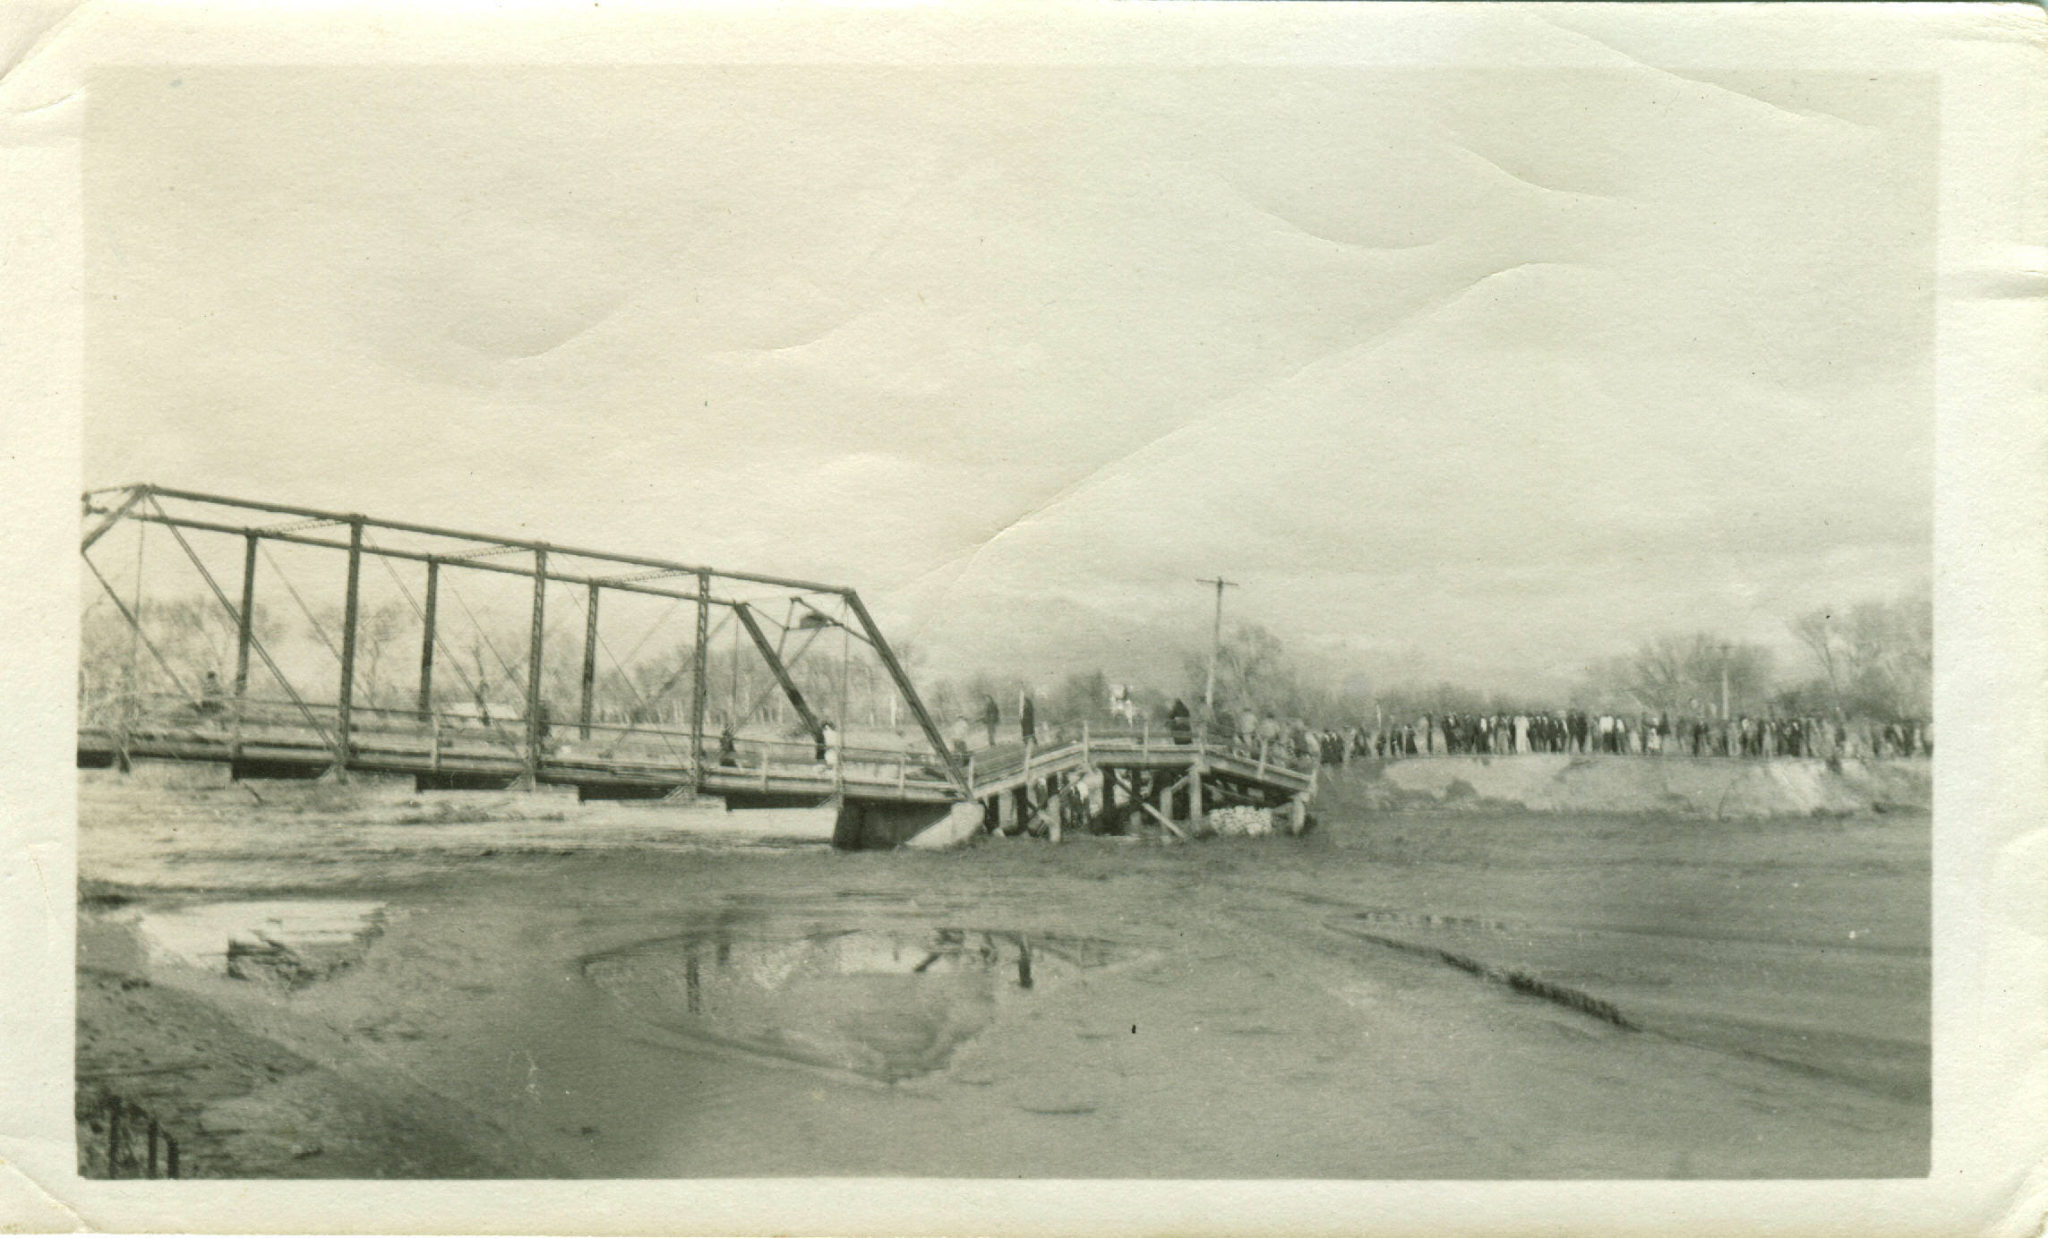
[[293, 942], [888, 1003]]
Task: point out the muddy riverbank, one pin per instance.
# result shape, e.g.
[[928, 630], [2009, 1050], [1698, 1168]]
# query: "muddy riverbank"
[[516, 989]]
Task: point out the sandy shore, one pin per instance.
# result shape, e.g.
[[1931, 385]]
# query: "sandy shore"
[[588, 991]]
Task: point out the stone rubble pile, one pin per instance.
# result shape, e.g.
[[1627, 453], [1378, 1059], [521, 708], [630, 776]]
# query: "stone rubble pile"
[[1241, 820]]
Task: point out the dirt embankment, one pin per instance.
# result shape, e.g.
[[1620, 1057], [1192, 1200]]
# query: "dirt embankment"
[[1556, 783]]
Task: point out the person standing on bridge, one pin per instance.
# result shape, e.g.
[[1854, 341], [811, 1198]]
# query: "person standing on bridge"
[[1027, 720], [210, 695], [991, 717], [1182, 722]]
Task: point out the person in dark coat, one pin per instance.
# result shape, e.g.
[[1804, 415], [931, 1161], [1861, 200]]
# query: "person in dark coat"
[[1182, 722], [991, 717], [1027, 721]]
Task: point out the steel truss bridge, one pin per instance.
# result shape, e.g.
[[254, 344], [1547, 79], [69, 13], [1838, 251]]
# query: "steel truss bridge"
[[162, 699]]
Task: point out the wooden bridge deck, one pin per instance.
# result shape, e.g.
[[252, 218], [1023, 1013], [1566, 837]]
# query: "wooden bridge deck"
[[619, 760]]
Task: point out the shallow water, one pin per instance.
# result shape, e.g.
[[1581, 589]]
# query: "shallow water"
[[888, 1003], [205, 935]]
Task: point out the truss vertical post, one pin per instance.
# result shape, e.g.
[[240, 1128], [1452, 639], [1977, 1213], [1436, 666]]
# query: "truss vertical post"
[[589, 665], [351, 604], [245, 631], [700, 677], [908, 692], [529, 778], [428, 638], [245, 621], [132, 683]]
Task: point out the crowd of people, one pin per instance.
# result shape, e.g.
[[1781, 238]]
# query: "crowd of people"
[[1582, 732], [1568, 731]]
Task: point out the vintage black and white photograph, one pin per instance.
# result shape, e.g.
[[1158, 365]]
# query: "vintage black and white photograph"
[[993, 621]]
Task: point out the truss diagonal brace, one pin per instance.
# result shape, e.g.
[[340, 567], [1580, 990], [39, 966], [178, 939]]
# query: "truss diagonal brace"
[[908, 691], [789, 688], [135, 495]]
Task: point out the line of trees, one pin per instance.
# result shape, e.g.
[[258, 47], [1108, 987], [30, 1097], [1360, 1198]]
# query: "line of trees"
[[183, 639], [1870, 660]]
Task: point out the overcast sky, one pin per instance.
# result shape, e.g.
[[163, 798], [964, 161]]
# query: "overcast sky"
[[1474, 376]]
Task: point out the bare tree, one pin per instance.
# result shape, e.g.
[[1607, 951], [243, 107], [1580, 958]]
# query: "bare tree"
[[1877, 657], [1689, 674]]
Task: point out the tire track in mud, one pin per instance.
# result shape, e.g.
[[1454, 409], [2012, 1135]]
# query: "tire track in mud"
[[1520, 981], [1578, 1000]]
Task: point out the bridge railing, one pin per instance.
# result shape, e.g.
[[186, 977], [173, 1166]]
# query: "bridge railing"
[[1054, 745], [434, 734]]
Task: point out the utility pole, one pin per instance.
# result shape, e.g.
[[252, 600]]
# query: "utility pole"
[[1215, 643], [1726, 650]]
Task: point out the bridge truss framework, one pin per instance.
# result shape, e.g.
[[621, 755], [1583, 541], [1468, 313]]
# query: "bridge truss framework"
[[356, 538]]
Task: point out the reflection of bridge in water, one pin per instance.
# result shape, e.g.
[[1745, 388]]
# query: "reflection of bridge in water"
[[890, 783]]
